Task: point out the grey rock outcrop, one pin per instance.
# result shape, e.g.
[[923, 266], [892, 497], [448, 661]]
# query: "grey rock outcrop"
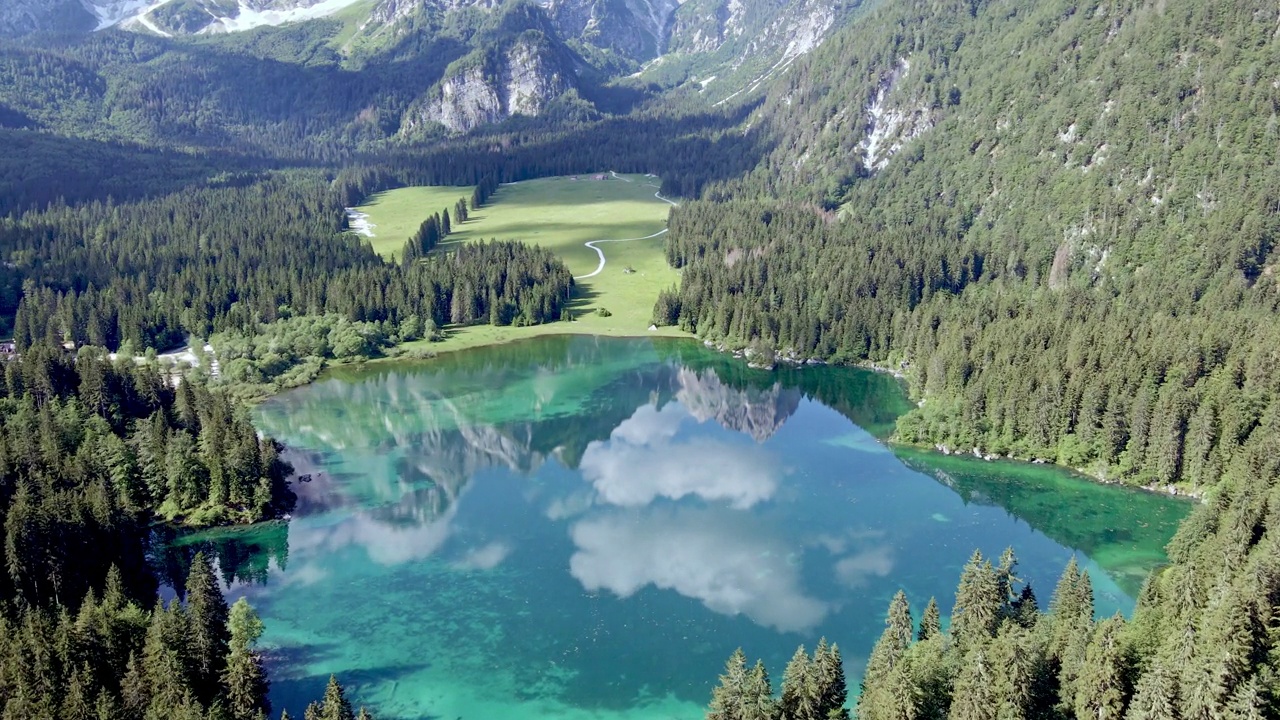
[[524, 80], [24, 17]]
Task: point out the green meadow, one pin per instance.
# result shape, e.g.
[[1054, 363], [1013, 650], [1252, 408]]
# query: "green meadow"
[[562, 214], [397, 214]]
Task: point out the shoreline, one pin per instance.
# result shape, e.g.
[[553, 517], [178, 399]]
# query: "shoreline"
[[480, 336]]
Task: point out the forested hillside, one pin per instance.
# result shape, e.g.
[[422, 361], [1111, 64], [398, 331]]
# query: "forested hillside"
[[91, 453], [1058, 221], [1074, 257], [145, 275]]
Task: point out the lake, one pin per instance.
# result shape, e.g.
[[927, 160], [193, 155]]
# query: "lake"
[[577, 527]]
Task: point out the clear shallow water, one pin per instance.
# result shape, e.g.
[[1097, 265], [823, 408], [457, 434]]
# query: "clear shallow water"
[[586, 528]]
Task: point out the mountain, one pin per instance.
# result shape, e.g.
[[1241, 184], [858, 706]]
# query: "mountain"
[[730, 48], [726, 49]]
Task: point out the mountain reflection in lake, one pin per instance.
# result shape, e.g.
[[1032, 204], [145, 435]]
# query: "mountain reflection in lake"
[[581, 527]]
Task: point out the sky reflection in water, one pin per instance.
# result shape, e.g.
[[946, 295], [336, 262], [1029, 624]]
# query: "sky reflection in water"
[[583, 528]]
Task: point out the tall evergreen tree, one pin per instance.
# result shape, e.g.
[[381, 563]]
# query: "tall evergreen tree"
[[245, 677], [335, 705], [975, 697], [728, 698], [207, 610], [828, 671], [931, 621], [1101, 690], [1155, 696], [799, 700], [757, 696], [979, 603]]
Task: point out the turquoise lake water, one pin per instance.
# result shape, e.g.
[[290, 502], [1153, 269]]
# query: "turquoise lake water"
[[577, 527]]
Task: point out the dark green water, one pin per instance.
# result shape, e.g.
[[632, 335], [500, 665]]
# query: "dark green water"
[[586, 528]]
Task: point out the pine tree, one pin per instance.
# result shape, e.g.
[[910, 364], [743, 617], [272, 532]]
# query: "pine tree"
[[757, 695], [974, 697], [828, 671], [106, 707], [134, 691], [1155, 696], [167, 664], [335, 706], [727, 699], [878, 678], [1025, 611], [1101, 689], [979, 604], [931, 621], [799, 697], [207, 609], [245, 678], [1247, 702], [1017, 664], [76, 704]]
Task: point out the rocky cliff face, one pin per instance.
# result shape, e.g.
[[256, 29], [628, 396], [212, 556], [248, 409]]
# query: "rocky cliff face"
[[522, 80], [23, 17], [758, 413], [740, 44], [635, 29]]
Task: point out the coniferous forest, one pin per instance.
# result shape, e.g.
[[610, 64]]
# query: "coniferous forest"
[[1068, 249]]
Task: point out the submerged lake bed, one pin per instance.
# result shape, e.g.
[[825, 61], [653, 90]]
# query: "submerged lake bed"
[[580, 527]]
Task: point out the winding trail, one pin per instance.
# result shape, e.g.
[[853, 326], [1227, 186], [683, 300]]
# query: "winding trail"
[[592, 243]]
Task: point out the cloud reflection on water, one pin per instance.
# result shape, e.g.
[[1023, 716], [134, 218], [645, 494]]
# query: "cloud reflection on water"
[[708, 554], [641, 462]]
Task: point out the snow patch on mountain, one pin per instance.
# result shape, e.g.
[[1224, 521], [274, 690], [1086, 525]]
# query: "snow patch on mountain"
[[247, 15], [111, 13]]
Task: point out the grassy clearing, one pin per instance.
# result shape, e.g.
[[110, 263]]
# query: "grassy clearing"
[[351, 17], [397, 214], [562, 214]]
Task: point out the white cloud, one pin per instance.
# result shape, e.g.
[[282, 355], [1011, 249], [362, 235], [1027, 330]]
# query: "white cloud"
[[712, 555], [484, 558], [386, 540], [855, 570], [641, 463]]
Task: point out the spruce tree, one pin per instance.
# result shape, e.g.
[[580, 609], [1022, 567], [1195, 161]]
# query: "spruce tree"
[[757, 696], [727, 699], [898, 626], [974, 697], [335, 706], [799, 697], [1155, 696], [931, 621], [1026, 609], [1247, 702], [245, 678], [207, 610], [1101, 689], [979, 604], [828, 671], [874, 701], [167, 663]]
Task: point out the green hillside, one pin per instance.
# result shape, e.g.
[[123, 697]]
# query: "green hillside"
[[1074, 258]]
